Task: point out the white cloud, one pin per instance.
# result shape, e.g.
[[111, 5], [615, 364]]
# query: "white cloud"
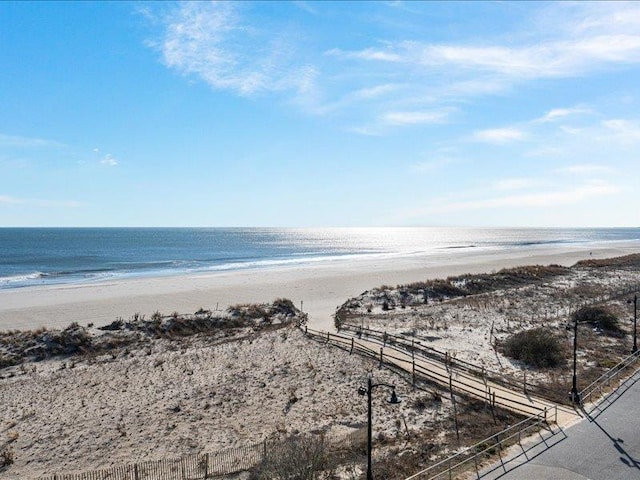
[[27, 142], [211, 40], [622, 130], [567, 57], [432, 165], [9, 200], [109, 161], [499, 135], [542, 199], [587, 169], [366, 54], [561, 113], [516, 183], [413, 118], [223, 44]]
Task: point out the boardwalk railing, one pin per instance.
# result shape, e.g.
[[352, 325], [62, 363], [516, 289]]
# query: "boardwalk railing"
[[609, 381], [410, 363], [413, 345], [487, 448]]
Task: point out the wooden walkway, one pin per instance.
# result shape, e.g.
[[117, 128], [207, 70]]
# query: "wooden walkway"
[[411, 358]]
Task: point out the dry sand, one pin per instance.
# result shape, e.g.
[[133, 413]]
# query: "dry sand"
[[321, 288], [118, 410]]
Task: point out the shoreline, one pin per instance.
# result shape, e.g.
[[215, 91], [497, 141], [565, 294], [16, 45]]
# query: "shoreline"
[[318, 288]]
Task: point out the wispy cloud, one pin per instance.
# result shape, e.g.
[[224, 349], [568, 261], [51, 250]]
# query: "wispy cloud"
[[549, 198], [566, 57], [413, 118], [105, 159], [499, 135], [9, 200], [213, 41], [223, 45], [431, 165], [27, 142], [109, 161], [557, 114], [517, 183], [622, 130], [587, 169]]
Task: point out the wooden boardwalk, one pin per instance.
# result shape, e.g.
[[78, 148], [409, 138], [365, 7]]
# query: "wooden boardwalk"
[[411, 358]]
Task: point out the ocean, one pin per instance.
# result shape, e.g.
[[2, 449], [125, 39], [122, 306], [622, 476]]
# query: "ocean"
[[41, 256]]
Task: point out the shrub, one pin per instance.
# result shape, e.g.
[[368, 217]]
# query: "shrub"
[[283, 306], [6, 457], [536, 347], [598, 317], [302, 458]]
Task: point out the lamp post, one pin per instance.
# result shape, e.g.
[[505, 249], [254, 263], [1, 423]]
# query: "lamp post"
[[635, 319], [392, 399], [574, 395]]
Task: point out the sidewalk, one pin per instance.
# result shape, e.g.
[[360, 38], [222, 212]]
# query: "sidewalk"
[[605, 445]]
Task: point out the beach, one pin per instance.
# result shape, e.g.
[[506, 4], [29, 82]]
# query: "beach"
[[169, 396], [318, 288]]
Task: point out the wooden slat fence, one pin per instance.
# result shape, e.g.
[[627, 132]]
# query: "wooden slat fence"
[[202, 466]]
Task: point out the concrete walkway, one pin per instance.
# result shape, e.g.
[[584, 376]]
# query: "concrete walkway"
[[605, 445]]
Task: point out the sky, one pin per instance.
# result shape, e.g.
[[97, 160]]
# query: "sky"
[[312, 114]]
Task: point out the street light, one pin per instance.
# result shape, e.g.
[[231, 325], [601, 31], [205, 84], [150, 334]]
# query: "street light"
[[574, 395], [635, 318], [392, 399]]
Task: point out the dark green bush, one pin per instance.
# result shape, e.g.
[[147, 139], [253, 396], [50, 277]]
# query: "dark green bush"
[[538, 348], [599, 317]]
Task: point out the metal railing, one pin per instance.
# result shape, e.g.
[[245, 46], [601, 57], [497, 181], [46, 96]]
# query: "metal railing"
[[488, 447], [608, 381]]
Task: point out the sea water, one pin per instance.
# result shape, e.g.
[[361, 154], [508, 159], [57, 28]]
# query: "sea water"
[[41, 256]]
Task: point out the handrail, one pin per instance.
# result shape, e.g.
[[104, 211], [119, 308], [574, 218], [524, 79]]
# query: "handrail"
[[538, 419], [462, 383], [430, 352], [609, 375]]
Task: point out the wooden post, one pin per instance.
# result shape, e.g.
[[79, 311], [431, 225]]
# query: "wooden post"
[[475, 461], [351, 351], [455, 408], [384, 339], [206, 466], [493, 408], [328, 335], [136, 477], [381, 357], [413, 374]]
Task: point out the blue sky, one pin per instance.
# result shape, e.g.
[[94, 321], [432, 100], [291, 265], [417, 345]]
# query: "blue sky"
[[319, 114]]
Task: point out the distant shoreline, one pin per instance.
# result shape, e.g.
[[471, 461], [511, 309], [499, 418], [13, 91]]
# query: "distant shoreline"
[[318, 288], [76, 256]]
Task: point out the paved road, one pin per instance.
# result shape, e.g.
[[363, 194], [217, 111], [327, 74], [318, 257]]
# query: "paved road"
[[605, 445]]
